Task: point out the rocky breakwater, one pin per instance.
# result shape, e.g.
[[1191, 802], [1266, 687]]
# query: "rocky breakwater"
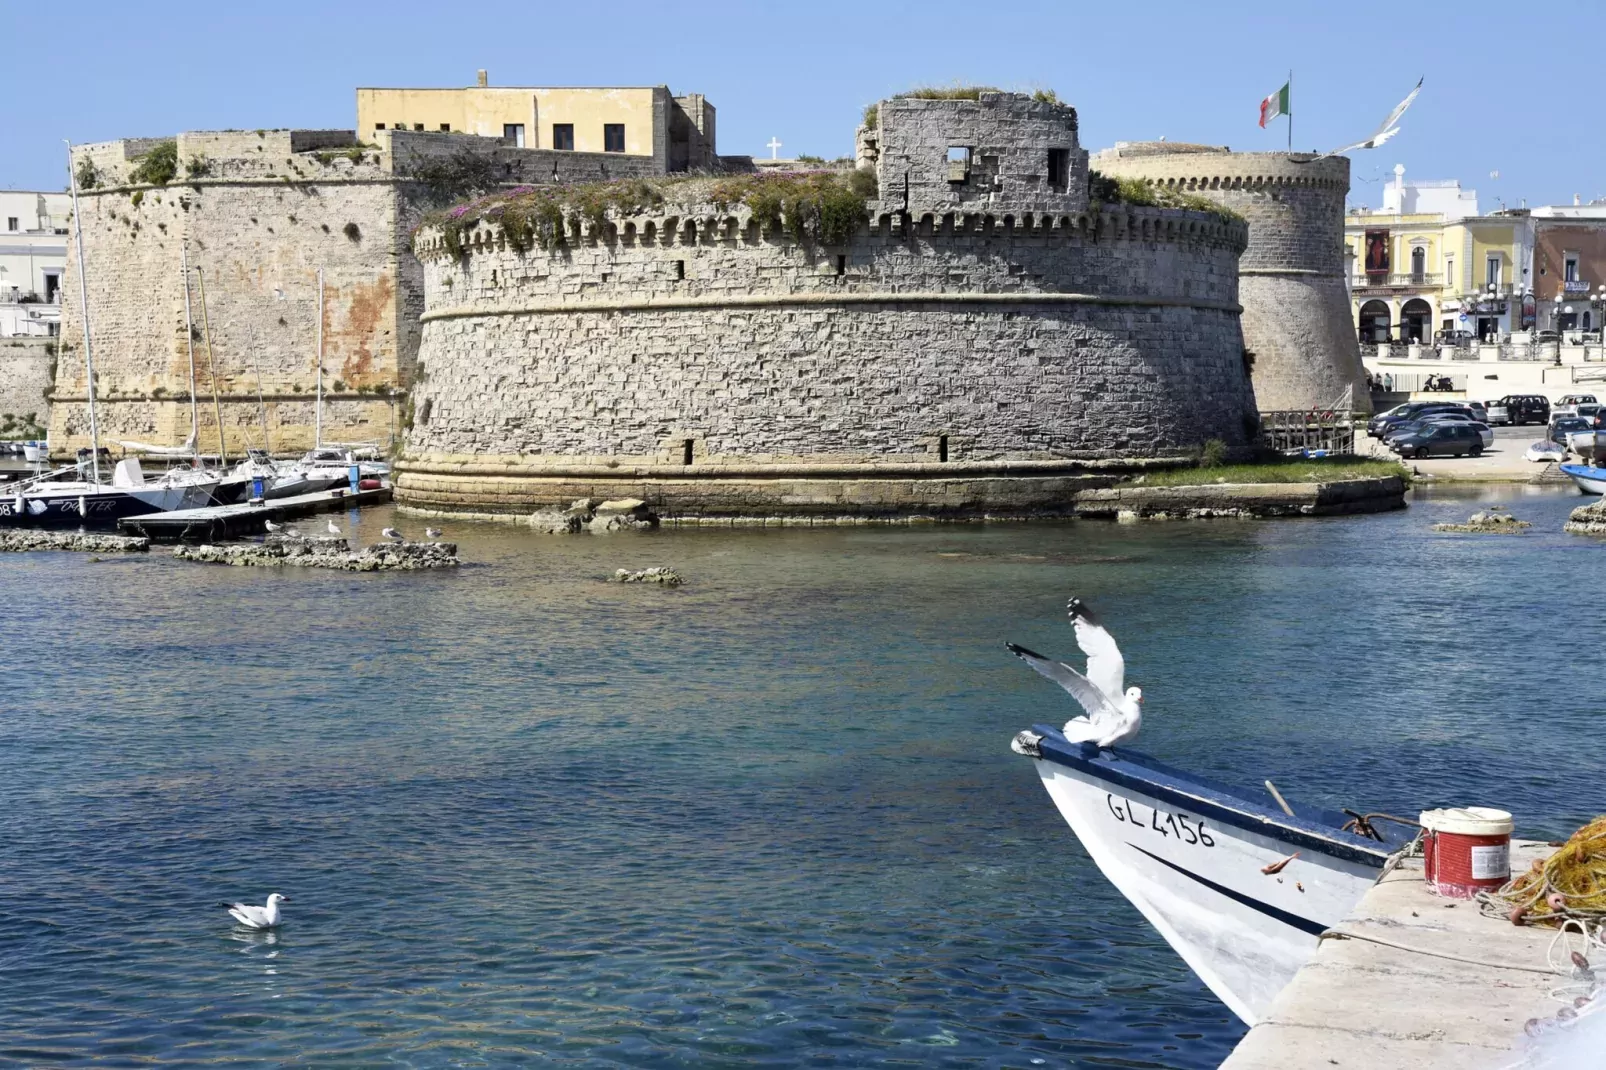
[[659, 574], [79, 541], [597, 517], [1133, 501], [301, 551], [1588, 519]]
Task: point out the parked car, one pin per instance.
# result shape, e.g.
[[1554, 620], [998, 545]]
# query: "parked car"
[[1380, 426], [1561, 427], [1568, 405], [1518, 409], [1417, 426], [1479, 411], [1441, 440]]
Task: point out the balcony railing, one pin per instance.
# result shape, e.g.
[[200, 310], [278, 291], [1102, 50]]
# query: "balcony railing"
[[1575, 286], [1413, 278]]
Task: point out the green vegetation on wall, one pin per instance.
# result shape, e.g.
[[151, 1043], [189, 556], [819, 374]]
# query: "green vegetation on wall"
[[158, 166], [1102, 189], [822, 206]]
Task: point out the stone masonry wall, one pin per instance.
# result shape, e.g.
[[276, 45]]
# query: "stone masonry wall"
[[1296, 307], [960, 341], [24, 378], [1008, 136], [258, 213]]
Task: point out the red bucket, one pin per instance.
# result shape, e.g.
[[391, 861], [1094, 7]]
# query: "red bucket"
[[1467, 850]]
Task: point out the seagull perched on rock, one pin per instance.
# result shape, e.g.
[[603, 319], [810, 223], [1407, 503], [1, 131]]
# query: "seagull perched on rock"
[[257, 917], [334, 529], [433, 533], [271, 526], [1113, 715], [392, 534]]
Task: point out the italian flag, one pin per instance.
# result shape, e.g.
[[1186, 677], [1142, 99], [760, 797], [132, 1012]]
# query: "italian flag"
[[1274, 105]]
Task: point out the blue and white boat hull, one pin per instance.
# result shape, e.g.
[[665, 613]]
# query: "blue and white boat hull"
[[1190, 855], [1590, 479]]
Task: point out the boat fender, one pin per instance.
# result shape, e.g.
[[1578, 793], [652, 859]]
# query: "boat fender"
[[1027, 743], [83, 506]]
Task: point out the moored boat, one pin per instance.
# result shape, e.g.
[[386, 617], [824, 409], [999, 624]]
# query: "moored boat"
[[1590, 479], [1238, 887], [66, 498]]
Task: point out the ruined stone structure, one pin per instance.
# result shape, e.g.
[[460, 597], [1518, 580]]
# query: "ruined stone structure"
[[259, 213], [984, 342], [1296, 317], [25, 385]]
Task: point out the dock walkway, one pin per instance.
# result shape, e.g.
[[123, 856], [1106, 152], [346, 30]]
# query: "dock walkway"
[[1367, 1005], [217, 522]]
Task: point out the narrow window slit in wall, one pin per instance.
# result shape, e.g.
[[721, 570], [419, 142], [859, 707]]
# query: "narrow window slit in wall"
[[680, 269], [685, 451], [841, 265], [942, 448]]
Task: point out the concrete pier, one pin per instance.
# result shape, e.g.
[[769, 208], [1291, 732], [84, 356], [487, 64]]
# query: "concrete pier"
[[1459, 998]]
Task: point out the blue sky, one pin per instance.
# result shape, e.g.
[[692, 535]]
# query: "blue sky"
[[803, 72]]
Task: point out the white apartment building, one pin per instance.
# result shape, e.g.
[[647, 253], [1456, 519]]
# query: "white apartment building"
[[33, 253]]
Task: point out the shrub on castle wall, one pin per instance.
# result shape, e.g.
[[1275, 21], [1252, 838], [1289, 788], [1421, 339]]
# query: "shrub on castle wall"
[[157, 167], [1103, 189]]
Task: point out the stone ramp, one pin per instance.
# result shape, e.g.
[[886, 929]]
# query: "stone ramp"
[[1374, 1007]]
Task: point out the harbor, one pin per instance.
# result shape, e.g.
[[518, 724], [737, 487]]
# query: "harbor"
[[213, 523], [768, 814]]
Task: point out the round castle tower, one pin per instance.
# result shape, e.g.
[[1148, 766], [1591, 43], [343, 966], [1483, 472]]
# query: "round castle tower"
[[982, 342], [1296, 317]]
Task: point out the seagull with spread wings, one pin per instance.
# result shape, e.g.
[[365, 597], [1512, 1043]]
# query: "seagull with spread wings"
[[1384, 132], [1113, 715]]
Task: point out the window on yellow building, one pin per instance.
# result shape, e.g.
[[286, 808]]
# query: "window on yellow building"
[[563, 136], [379, 126], [513, 134], [446, 128], [613, 137], [419, 127]]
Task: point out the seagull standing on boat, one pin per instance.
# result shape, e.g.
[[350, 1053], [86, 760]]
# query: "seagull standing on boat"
[[266, 917], [1113, 715], [393, 535]]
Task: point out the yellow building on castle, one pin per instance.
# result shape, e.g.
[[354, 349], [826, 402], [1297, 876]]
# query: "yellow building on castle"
[[632, 121]]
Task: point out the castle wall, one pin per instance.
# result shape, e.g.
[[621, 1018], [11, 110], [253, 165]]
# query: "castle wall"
[[993, 346], [258, 213], [1296, 307], [24, 379]]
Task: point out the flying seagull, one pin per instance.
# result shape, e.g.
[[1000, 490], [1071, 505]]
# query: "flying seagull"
[[1113, 715], [392, 534], [334, 529], [432, 533], [1384, 132], [257, 917]]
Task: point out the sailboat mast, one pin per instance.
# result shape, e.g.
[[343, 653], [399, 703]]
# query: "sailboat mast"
[[211, 363], [317, 418], [83, 305], [189, 339]]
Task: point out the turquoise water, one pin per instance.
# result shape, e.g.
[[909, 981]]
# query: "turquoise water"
[[528, 817]]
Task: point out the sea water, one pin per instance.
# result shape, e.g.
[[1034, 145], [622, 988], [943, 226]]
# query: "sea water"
[[525, 816]]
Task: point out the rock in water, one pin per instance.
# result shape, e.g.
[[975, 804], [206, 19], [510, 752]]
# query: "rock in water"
[[327, 552], [597, 517], [656, 574], [1587, 519], [20, 539], [1494, 521]]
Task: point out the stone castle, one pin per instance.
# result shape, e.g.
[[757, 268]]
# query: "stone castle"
[[984, 340]]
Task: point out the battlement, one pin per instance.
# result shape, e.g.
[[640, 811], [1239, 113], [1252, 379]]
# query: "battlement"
[[691, 227], [1198, 168]]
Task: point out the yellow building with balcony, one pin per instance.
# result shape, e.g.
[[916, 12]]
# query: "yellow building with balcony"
[[632, 121], [1428, 268]]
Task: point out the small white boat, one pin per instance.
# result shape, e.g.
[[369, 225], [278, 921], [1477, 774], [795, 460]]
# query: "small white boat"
[[68, 498], [1590, 480], [1193, 856], [1547, 451]]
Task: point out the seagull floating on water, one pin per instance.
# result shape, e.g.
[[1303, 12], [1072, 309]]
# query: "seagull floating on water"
[[1113, 715], [334, 529], [257, 917], [433, 533], [393, 535]]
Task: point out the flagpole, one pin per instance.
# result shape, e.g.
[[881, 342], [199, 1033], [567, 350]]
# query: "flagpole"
[[1290, 109]]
